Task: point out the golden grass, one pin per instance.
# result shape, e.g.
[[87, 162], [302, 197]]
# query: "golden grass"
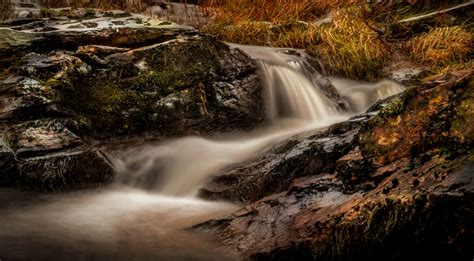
[[275, 11], [252, 33], [442, 45], [100, 4], [438, 71], [350, 47], [290, 34]]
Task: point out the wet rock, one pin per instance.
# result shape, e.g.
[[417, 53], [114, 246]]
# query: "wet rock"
[[139, 79], [48, 156], [419, 123], [398, 197], [7, 161], [115, 81], [13, 42], [352, 168], [23, 98], [405, 75], [303, 155], [209, 88]]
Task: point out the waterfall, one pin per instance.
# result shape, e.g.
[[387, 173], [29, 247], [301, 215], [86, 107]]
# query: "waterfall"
[[182, 166], [145, 215], [360, 95], [290, 94]]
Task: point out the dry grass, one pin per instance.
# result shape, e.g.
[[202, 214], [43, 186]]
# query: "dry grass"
[[438, 71], [101, 4], [442, 45], [290, 34], [252, 33], [274, 11], [277, 23], [350, 47]]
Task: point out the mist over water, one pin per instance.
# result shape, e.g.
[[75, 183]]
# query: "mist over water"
[[145, 214]]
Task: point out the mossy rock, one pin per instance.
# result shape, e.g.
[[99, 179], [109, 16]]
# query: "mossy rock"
[[160, 87], [418, 122]]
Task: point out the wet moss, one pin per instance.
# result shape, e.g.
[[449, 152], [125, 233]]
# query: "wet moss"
[[142, 92], [394, 108]]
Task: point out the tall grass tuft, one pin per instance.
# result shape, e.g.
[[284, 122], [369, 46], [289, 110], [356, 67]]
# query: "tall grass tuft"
[[442, 45], [350, 47], [275, 11], [289, 34]]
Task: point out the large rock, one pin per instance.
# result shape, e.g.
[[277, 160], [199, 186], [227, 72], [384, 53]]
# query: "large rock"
[[302, 155], [45, 155], [400, 188], [65, 84], [132, 79]]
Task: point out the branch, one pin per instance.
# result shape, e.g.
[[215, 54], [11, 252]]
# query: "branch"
[[421, 17]]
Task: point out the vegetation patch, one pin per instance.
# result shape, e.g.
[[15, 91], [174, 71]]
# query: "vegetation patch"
[[275, 11], [102, 4], [350, 47], [362, 38], [442, 45]]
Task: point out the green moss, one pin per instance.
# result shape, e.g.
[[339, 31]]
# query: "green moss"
[[395, 107], [47, 12], [143, 93]]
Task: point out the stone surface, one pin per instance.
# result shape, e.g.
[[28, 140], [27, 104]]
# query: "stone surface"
[[69, 83], [311, 152], [400, 188], [45, 155]]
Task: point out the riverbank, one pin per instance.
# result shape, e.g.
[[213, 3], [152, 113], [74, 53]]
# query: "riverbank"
[[356, 40]]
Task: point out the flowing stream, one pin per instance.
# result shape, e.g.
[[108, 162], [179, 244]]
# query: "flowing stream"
[[145, 214]]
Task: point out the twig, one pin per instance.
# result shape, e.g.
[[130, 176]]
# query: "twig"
[[471, 2]]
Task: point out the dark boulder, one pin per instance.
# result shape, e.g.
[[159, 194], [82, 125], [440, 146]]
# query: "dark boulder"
[[64, 89], [45, 155]]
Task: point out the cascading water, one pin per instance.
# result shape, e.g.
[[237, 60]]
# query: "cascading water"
[[154, 199], [291, 95], [180, 167]]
